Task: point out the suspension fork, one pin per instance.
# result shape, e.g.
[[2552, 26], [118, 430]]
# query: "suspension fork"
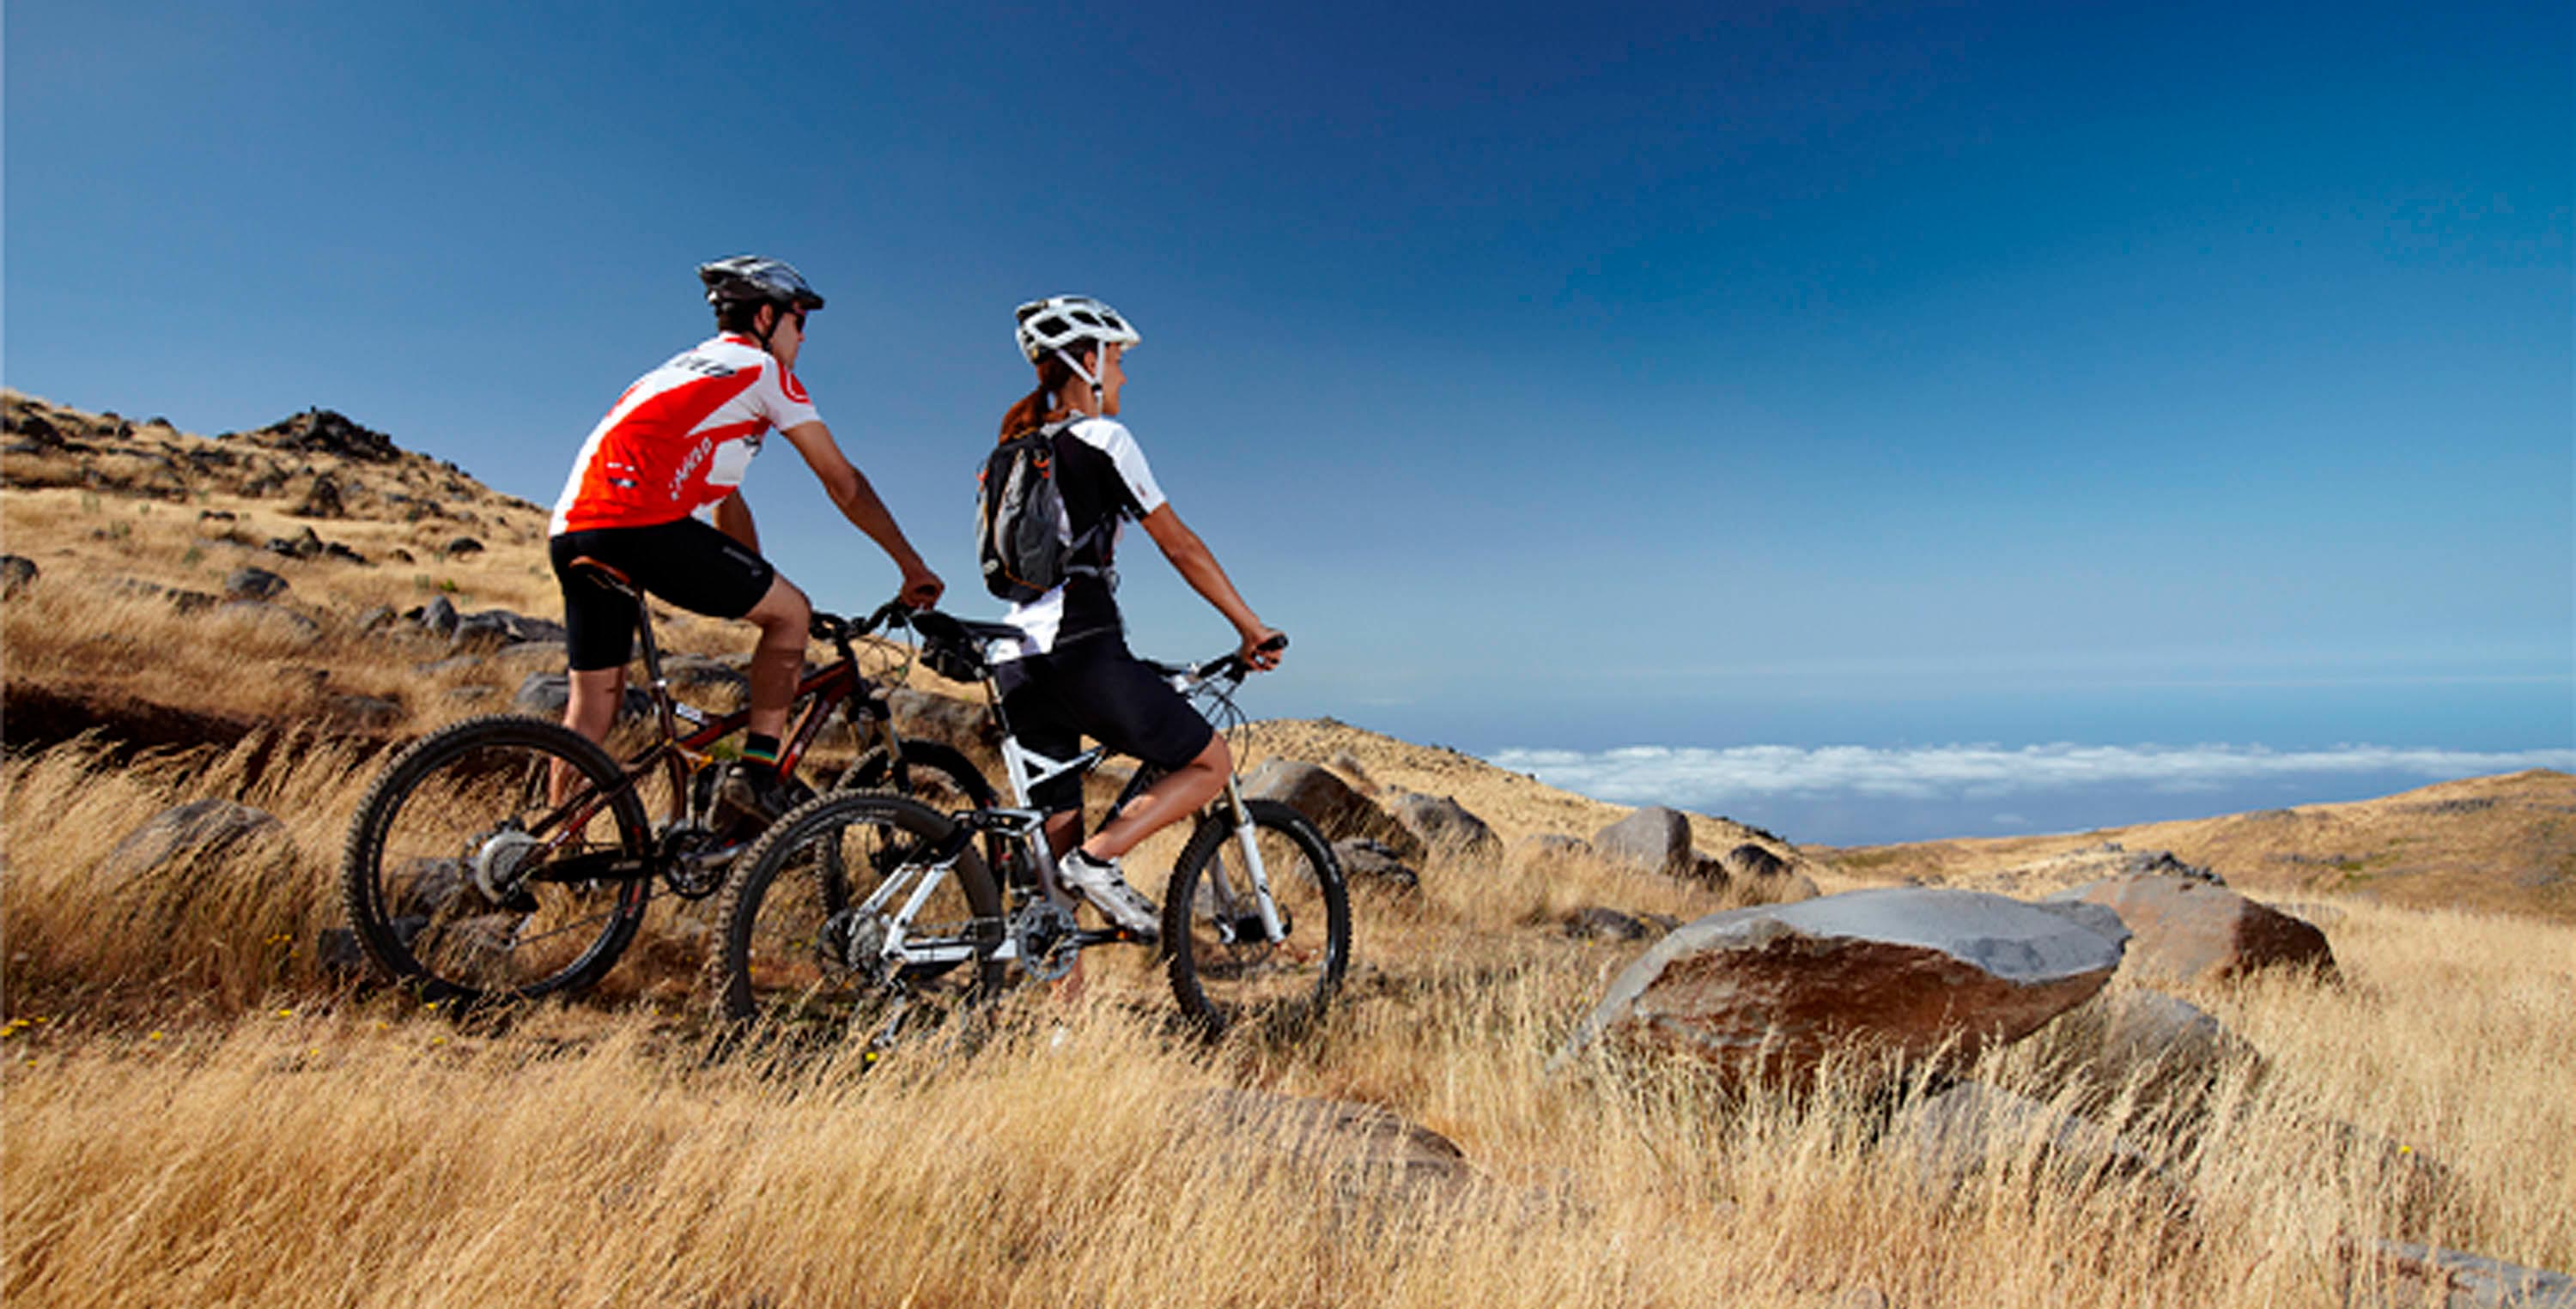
[[1249, 838]]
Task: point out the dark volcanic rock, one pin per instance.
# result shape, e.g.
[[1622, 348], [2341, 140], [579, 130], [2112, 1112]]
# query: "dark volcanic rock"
[[253, 584], [17, 573], [321, 431]]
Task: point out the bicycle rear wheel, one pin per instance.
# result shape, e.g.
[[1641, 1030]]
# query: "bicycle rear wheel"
[[935, 774], [464, 881], [808, 915], [1224, 971]]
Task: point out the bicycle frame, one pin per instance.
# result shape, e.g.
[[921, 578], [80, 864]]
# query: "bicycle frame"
[[1023, 824]]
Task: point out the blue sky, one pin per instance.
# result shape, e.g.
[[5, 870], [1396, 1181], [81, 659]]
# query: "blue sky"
[[1565, 379]]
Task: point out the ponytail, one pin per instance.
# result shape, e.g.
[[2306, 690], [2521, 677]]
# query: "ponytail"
[[1039, 407]]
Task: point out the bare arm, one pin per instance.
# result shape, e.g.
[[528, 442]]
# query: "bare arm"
[[858, 502], [733, 518], [1198, 567]]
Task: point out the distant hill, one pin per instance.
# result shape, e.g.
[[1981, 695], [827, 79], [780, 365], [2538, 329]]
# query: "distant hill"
[[2505, 844]]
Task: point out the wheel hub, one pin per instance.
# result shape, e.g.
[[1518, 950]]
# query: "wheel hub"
[[1043, 930], [502, 863]]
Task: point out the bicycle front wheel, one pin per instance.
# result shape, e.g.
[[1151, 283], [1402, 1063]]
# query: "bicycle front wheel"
[[815, 933], [1225, 971], [466, 880]]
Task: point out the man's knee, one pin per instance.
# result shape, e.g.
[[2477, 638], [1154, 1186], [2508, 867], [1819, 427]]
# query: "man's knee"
[[783, 614]]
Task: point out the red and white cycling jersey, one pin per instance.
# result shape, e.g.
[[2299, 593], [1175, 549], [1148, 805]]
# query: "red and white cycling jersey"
[[681, 437]]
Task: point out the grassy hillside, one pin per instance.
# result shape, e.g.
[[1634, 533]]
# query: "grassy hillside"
[[2501, 844], [195, 1109]]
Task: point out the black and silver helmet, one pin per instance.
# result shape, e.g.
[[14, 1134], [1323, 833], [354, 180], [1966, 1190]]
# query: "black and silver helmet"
[[752, 279], [1062, 322]]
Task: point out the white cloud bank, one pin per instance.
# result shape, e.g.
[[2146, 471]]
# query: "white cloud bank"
[[1693, 777]]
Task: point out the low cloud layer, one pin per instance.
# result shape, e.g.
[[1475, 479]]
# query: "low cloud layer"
[[1699, 778]]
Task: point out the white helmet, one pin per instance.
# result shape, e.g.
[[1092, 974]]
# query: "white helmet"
[[1059, 323]]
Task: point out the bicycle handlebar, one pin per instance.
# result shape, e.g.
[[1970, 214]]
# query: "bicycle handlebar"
[[837, 630], [1227, 667]]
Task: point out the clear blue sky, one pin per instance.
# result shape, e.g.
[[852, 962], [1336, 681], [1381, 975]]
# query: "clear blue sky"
[[1563, 377]]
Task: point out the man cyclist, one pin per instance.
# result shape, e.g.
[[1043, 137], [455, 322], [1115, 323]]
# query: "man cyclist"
[[1073, 675], [677, 444]]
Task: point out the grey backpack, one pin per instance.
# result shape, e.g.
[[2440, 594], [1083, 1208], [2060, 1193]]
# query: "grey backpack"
[[1024, 540]]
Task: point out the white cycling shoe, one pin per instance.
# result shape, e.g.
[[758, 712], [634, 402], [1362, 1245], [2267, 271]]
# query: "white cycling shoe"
[[1108, 892]]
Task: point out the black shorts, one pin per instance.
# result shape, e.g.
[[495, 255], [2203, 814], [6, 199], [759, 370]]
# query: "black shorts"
[[1093, 687], [686, 562]]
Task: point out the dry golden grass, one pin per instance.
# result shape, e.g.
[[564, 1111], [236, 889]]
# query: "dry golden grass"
[[200, 1116], [193, 1111]]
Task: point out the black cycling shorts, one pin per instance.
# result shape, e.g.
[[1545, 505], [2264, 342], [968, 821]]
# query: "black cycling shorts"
[[685, 562], [1093, 687]]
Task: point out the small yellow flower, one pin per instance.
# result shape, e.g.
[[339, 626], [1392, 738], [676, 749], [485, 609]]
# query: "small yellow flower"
[[286, 1013], [154, 1037]]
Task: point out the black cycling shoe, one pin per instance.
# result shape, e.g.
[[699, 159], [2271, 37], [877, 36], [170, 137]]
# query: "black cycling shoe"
[[749, 796]]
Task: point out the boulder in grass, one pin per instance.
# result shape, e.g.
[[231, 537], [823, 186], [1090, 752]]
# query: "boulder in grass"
[[1368, 863], [17, 573], [2157, 1052], [2411, 1274], [1359, 1150], [2189, 930], [1653, 840], [253, 584], [1330, 804], [1768, 993], [198, 833], [1968, 1128], [1444, 824]]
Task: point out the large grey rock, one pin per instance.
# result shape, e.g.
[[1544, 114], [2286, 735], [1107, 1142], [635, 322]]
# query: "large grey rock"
[[2413, 1276], [2189, 930], [1330, 804], [1356, 1149], [2157, 1053], [195, 835], [1767, 993], [959, 723], [1443, 824], [1969, 1128], [17, 573], [1653, 839]]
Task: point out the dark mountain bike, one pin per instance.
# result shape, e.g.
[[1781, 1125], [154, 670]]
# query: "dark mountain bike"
[[507, 857], [856, 910]]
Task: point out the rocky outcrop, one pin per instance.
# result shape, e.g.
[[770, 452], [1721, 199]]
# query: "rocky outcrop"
[[322, 431], [1767, 993], [17, 573], [2188, 930], [1336, 810]]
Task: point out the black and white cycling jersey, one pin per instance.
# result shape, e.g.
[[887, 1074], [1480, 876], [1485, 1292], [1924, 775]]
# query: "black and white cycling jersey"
[[1105, 480]]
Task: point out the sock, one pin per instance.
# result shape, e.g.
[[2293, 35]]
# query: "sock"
[[761, 749]]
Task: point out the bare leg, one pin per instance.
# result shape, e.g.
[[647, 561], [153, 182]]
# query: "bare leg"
[[784, 618], [590, 708], [1175, 796]]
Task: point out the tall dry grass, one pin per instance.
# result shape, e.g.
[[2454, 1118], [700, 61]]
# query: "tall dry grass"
[[326, 1148]]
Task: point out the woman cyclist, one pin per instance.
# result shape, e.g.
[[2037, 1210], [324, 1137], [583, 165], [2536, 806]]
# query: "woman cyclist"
[[1073, 675]]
